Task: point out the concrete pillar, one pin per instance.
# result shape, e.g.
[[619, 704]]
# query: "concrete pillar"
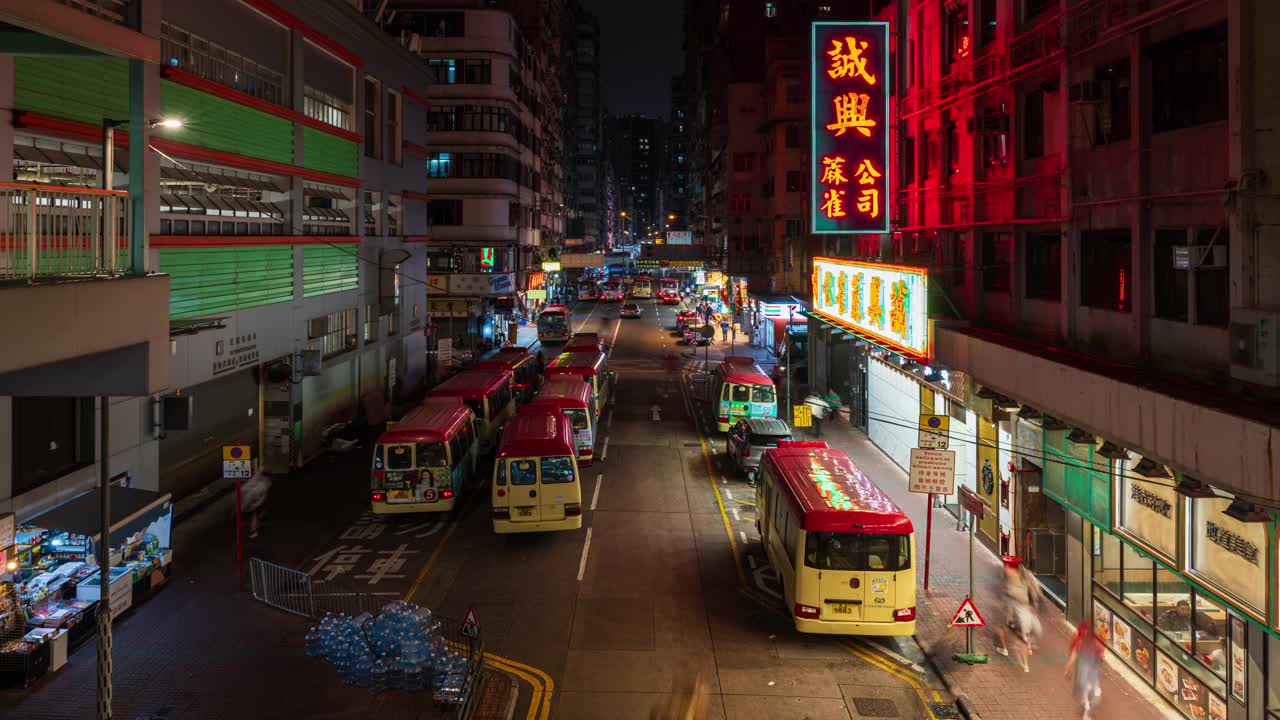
[[1079, 575]]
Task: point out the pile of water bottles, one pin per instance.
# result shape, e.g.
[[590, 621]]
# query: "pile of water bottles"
[[401, 648]]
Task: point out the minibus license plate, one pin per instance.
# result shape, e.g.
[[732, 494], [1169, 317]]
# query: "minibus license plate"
[[400, 495], [524, 512], [841, 609]]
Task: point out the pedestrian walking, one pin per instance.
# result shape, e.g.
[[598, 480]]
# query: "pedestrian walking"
[[253, 496], [817, 413], [1084, 667], [733, 333], [724, 330], [1021, 623]]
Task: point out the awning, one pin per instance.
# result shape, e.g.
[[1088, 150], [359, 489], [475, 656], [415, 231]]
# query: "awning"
[[132, 510]]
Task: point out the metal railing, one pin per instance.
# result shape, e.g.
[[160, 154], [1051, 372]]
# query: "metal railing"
[[296, 592], [197, 55], [113, 10], [49, 231]]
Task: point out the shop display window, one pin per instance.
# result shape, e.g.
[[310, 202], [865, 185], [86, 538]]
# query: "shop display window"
[[1106, 562], [1273, 677], [1126, 633], [1187, 683], [1139, 580]]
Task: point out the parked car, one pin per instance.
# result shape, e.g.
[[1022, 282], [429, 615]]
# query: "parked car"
[[670, 298], [631, 310], [746, 442], [683, 319], [693, 333]]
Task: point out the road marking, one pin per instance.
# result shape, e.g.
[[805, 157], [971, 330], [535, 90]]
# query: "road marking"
[[744, 541], [727, 495], [923, 693], [604, 452], [751, 560], [543, 685], [734, 512], [586, 548], [723, 482], [608, 424], [744, 502], [595, 496]]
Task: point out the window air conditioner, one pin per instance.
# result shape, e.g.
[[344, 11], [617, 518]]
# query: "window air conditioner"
[[1254, 336]]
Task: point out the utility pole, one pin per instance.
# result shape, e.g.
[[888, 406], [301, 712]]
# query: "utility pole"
[[104, 559]]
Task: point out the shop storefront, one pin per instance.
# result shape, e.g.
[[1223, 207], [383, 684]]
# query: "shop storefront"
[[49, 602], [773, 318]]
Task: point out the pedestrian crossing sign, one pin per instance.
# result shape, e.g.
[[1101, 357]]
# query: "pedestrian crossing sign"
[[968, 615]]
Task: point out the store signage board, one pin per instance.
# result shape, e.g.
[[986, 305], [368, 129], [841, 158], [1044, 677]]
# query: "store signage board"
[[8, 531], [849, 117], [539, 294], [551, 266], [887, 304], [932, 471], [802, 416], [679, 237], [934, 432], [438, 284]]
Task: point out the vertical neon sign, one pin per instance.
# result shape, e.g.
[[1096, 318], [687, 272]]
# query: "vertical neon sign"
[[849, 120]]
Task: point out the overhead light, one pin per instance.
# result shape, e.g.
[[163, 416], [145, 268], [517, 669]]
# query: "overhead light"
[[1245, 511], [1113, 451], [1151, 469], [1006, 404], [1028, 413], [1193, 488], [167, 123], [1053, 423], [1080, 437]]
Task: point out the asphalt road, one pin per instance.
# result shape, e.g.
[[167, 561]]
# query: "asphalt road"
[[665, 581]]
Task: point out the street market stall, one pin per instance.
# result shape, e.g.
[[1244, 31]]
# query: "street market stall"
[[49, 600]]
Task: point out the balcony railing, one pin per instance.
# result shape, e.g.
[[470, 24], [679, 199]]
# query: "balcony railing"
[[115, 11], [48, 231]]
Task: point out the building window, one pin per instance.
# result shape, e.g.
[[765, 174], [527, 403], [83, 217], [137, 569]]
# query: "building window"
[[988, 20], [438, 24], [394, 118], [928, 157], [335, 332], [771, 9], [196, 55], [1044, 265], [795, 181], [1033, 124], [1168, 280], [743, 162], [477, 72], [370, 324], [440, 165], [1032, 8], [1213, 278], [740, 202], [1106, 274], [52, 436], [1111, 112], [909, 161], [443, 71], [1189, 80], [393, 216], [794, 228], [793, 136], [795, 92], [391, 321], [957, 30], [327, 209], [997, 257], [372, 105], [372, 209], [326, 108], [951, 138], [445, 212]]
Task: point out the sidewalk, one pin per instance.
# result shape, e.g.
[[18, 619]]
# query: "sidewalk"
[[1000, 690]]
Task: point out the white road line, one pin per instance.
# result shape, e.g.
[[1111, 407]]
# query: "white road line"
[[609, 422], [734, 512], [751, 559], [604, 452], [582, 564], [743, 535], [726, 494], [595, 496], [723, 481]]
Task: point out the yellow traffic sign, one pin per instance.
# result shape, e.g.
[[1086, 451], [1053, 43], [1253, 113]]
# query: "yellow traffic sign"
[[236, 452], [802, 416]]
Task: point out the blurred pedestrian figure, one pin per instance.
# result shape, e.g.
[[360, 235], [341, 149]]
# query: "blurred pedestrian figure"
[[253, 496], [733, 333], [1084, 666], [817, 412], [1020, 618]]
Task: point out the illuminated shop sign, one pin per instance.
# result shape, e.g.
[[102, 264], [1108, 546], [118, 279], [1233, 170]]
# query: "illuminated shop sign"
[[885, 303], [849, 117]]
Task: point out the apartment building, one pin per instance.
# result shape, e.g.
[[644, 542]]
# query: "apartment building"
[[675, 194], [266, 241], [585, 128], [635, 148], [494, 154], [1086, 183]]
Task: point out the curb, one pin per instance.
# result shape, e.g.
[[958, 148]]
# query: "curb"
[[961, 700]]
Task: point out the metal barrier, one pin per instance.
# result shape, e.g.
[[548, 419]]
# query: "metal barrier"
[[51, 231], [296, 592]]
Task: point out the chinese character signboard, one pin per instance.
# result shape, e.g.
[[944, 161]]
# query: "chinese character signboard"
[[850, 122], [887, 304]]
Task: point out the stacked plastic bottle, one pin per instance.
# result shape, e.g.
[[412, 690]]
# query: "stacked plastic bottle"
[[401, 649]]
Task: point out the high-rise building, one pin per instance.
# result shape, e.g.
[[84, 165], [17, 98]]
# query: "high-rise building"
[[675, 196], [636, 154], [586, 127]]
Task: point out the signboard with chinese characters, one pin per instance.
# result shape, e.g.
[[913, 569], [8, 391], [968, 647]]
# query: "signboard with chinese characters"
[[887, 304], [679, 237], [932, 471], [849, 117]]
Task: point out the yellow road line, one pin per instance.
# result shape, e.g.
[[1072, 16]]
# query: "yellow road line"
[[898, 672], [535, 702], [435, 553], [711, 478]]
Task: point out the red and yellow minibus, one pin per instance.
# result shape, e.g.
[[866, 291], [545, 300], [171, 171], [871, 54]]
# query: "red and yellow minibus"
[[422, 463], [524, 370], [585, 342], [740, 389], [844, 551], [590, 366], [553, 324], [570, 396], [488, 392], [536, 486]]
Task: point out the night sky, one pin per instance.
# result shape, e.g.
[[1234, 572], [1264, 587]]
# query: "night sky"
[[640, 43]]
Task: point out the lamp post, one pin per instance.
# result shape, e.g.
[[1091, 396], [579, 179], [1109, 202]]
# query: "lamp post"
[[791, 313]]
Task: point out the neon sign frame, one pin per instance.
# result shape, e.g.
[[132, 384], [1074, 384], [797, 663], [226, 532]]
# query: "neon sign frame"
[[851, 308]]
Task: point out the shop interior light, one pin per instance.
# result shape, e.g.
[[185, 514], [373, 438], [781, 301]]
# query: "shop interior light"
[[1245, 511], [1193, 488], [1152, 469], [1080, 437], [1113, 451]]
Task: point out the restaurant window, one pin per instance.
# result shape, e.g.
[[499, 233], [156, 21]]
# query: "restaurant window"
[[1044, 265], [1111, 108], [1273, 676], [372, 106], [1107, 572], [372, 209], [1105, 269], [1137, 590], [52, 436], [1169, 282], [795, 181], [997, 256], [394, 117], [1189, 80], [1033, 124], [1213, 278]]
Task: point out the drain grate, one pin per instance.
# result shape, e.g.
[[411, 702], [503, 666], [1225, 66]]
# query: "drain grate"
[[875, 707], [943, 711]]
